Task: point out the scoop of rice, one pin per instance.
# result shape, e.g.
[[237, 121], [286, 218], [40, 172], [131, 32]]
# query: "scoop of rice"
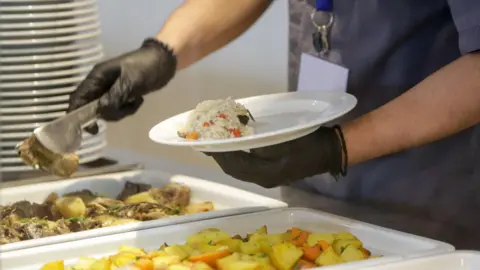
[[217, 119]]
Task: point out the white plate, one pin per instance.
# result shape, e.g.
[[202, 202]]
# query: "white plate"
[[394, 245], [33, 101], [54, 56], [227, 200], [11, 86], [33, 109], [48, 24], [48, 15], [24, 34], [276, 115], [43, 75], [52, 65], [38, 93], [93, 150], [36, 41], [458, 260], [39, 7], [50, 49]]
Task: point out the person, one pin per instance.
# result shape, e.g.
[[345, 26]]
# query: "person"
[[413, 141]]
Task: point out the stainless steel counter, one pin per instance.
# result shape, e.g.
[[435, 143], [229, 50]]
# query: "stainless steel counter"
[[403, 221]]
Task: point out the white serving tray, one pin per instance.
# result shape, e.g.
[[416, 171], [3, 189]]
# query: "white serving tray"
[[227, 200], [459, 260], [392, 244]]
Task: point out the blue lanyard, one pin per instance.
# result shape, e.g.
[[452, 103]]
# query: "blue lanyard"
[[324, 5]]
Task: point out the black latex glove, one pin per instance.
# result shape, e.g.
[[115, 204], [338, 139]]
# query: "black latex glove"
[[322, 151], [120, 83]]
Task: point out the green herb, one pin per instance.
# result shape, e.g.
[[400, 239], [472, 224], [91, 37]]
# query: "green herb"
[[210, 243], [342, 249], [76, 219]]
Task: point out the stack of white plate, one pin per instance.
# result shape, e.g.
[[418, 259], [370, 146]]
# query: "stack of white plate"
[[46, 48]]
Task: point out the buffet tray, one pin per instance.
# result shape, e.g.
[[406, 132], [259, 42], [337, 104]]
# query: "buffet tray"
[[459, 260], [392, 244], [227, 201]]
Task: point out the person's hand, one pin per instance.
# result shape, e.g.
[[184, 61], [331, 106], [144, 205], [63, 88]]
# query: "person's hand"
[[120, 83], [322, 151]]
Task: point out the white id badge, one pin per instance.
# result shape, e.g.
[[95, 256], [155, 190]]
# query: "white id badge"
[[316, 74]]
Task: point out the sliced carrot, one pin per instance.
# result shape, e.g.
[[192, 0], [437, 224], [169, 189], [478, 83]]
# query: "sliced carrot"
[[144, 264], [304, 264], [299, 237], [236, 132], [206, 124], [311, 253], [323, 245], [210, 258], [192, 135]]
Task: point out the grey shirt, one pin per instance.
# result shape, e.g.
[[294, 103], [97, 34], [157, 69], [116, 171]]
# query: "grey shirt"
[[389, 46]]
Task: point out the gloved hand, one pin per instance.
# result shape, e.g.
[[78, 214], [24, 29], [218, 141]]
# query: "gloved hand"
[[121, 82], [322, 151]]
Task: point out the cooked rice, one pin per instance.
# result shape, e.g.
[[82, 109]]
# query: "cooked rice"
[[217, 119]]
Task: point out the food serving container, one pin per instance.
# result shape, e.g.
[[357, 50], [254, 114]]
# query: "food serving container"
[[393, 245], [227, 201], [458, 260]]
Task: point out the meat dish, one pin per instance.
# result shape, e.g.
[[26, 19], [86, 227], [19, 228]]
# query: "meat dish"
[[85, 210]]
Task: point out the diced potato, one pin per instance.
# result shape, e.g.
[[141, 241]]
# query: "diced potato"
[[176, 250], [210, 258], [284, 256], [234, 262], [274, 239], [261, 231], [328, 257], [207, 236], [102, 264], [70, 207], [351, 254], [233, 244], [58, 265], [345, 236], [140, 197], [201, 266], [315, 237], [340, 245], [178, 267], [156, 253], [262, 259], [250, 248], [135, 250], [165, 261], [144, 264], [84, 263], [123, 258], [211, 248]]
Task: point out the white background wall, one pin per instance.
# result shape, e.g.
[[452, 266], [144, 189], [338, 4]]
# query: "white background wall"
[[254, 64]]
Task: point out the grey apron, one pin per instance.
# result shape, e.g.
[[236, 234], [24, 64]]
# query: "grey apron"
[[389, 46]]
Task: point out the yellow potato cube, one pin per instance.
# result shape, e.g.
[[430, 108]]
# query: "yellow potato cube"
[[328, 257], [351, 254], [315, 237], [58, 265], [284, 256]]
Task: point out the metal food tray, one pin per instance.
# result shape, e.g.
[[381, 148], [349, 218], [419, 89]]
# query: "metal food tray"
[[227, 201], [394, 245]]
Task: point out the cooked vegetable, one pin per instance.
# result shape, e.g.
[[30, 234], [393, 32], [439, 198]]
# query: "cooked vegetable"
[[212, 249], [71, 207]]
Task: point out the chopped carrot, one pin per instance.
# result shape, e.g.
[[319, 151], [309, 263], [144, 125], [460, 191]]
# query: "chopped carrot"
[[311, 253], [222, 115], [210, 258], [144, 264], [323, 245], [236, 132], [303, 264], [299, 237], [192, 135], [366, 252], [206, 124]]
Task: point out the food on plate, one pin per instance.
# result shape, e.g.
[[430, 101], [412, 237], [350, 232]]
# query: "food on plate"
[[217, 119], [85, 210], [211, 249]]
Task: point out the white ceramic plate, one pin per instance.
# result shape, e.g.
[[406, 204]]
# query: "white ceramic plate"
[[83, 152], [50, 49], [47, 15], [4, 103], [280, 117], [13, 86], [48, 24], [38, 93], [50, 40], [27, 34], [43, 75], [33, 109], [52, 65], [41, 7], [51, 57]]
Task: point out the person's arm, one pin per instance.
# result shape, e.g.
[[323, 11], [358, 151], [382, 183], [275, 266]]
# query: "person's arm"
[[199, 27], [443, 104]]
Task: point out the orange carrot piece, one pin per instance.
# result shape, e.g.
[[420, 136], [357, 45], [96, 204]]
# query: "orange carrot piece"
[[210, 258], [304, 264], [299, 237], [144, 264], [311, 253], [323, 245], [192, 135]]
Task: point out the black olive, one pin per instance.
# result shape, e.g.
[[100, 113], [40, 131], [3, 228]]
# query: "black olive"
[[243, 119]]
